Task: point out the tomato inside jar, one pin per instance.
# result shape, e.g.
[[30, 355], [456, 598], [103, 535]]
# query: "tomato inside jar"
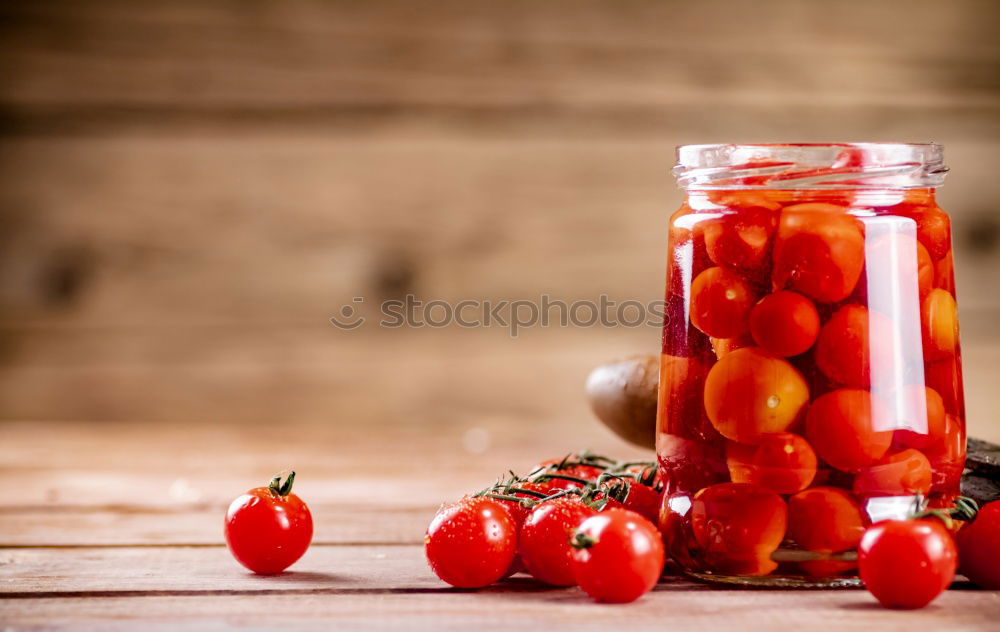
[[810, 381]]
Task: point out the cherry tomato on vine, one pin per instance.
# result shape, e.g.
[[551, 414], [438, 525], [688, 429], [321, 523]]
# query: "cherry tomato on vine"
[[979, 547], [617, 556], [565, 469], [519, 511], [784, 323], [642, 499], [841, 427], [471, 543], [750, 393], [907, 563], [544, 544], [268, 528], [720, 303]]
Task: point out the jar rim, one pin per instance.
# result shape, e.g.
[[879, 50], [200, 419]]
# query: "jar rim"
[[810, 166]]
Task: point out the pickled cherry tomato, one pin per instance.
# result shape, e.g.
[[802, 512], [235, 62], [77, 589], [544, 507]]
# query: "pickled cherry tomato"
[[720, 303], [825, 520], [945, 377], [925, 270], [903, 473], [922, 435], [934, 231], [947, 456], [944, 273], [841, 427], [738, 526], [681, 411], [742, 238], [843, 347], [750, 393], [939, 325], [724, 346], [784, 323], [784, 463], [819, 251]]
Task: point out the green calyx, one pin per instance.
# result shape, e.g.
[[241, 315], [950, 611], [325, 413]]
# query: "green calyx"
[[282, 489]]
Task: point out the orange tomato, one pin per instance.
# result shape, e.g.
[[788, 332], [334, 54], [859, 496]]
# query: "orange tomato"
[[784, 323], [843, 347], [925, 270], [741, 238], [750, 393], [737, 526], [947, 456], [903, 473], [819, 251], [825, 520], [945, 377], [841, 426], [922, 433], [720, 303], [784, 463], [939, 325], [725, 346]]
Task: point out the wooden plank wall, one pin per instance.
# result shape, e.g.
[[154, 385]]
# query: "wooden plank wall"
[[188, 190]]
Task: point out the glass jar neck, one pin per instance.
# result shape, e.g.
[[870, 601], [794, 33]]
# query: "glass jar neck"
[[709, 199], [818, 167]]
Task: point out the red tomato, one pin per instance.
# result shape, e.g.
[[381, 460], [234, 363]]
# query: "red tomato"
[[939, 325], [741, 238], [471, 543], [944, 273], [947, 456], [617, 557], [945, 377], [841, 426], [819, 251], [720, 303], [925, 432], [681, 410], [642, 499], [751, 393], [784, 323], [825, 520], [568, 466], [900, 474], [690, 464], [934, 231], [842, 350], [925, 270], [738, 526], [268, 528], [907, 563], [979, 547], [518, 512], [544, 544], [784, 463]]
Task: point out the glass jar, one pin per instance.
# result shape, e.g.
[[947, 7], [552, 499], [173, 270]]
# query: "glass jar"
[[810, 377]]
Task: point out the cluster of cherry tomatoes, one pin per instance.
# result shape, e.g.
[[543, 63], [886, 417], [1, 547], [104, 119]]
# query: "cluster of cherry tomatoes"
[[791, 398], [583, 520]]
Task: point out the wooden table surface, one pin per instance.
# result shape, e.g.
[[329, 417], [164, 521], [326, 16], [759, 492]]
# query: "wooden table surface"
[[120, 525]]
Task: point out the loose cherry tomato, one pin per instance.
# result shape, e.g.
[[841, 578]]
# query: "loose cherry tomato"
[[819, 251], [944, 273], [939, 325], [751, 393], [784, 463], [720, 303], [907, 563], [269, 528], [843, 347], [724, 346], [903, 473], [617, 556], [741, 238], [544, 544], [738, 526], [825, 520], [925, 432], [979, 547], [784, 323], [842, 427], [471, 543]]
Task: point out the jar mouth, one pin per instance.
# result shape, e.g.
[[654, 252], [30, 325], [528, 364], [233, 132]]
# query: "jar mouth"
[[810, 166]]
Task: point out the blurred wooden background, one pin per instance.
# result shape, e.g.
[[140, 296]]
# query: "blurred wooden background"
[[189, 190]]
